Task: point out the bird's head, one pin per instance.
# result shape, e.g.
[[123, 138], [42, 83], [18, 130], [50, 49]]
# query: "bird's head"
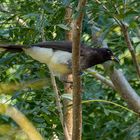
[[108, 55]]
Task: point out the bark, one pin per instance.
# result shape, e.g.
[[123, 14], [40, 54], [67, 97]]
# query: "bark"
[[77, 108], [124, 89], [68, 112], [68, 18]]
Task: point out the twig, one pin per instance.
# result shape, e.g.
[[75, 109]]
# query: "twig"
[[108, 11], [77, 109], [101, 78], [59, 107], [130, 47]]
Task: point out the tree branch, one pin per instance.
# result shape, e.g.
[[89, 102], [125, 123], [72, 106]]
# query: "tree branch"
[[108, 11], [57, 98], [125, 90], [77, 109], [130, 47], [59, 107], [96, 75], [68, 111], [121, 84], [126, 36]]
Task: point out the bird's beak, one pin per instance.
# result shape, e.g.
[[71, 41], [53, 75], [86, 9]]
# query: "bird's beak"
[[114, 58]]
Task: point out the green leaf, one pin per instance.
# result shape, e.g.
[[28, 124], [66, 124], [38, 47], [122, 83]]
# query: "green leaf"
[[63, 26]]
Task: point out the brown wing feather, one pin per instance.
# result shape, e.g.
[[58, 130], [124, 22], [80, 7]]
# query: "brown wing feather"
[[57, 45]]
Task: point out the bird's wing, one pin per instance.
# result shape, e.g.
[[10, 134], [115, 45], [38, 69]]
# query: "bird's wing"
[[57, 45]]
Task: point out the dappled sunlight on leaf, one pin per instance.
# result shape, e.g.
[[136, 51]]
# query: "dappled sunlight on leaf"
[[10, 132], [21, 120], [9, 88]]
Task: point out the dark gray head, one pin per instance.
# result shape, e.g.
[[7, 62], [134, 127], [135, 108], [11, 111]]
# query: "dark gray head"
[[107, 54], [96, 56]]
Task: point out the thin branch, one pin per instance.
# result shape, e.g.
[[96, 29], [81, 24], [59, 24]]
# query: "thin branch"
[[112, 103], [98, 76], [68, 111], [68, 18], [57, 97], [77, 109], [126, 36], [59, 107], [130, 47], [108, 11], [121, 84]]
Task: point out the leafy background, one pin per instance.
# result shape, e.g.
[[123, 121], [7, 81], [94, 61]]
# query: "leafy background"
[[27, 22]]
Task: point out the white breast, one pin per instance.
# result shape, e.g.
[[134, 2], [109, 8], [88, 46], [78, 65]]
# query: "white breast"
[[61, 57], [42, 55], [56, 60]]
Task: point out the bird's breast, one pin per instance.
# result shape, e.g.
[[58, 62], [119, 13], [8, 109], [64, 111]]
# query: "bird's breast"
[[58, 61], [61, 62], [42, 55]]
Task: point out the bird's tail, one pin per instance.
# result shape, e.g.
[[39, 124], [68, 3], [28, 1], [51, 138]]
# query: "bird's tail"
[[11, 48]]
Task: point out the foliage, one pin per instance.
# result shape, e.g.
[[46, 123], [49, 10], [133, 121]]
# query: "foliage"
[[27, 22]]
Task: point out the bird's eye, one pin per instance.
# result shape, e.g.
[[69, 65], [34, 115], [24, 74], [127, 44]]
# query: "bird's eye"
[[108, 51]]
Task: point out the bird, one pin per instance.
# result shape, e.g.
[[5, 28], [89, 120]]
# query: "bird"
[[58, 55]]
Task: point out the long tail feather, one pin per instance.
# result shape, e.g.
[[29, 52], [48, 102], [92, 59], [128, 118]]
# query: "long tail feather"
[[11, 48]]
